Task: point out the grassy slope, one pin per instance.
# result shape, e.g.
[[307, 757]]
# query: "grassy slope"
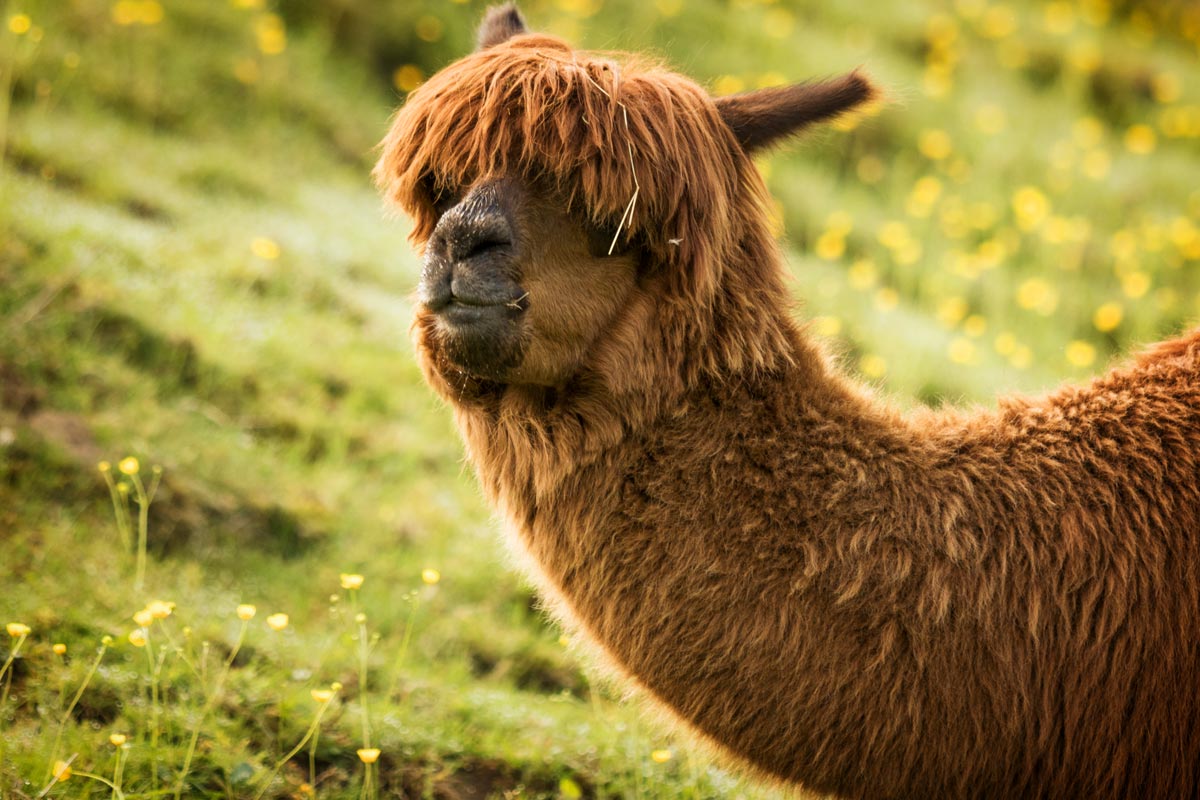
[[280, 396]]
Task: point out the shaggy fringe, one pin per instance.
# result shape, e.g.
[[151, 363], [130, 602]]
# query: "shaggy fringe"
[[602, 131]]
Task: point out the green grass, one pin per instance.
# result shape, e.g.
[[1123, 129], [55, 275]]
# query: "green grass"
[[195, 270]]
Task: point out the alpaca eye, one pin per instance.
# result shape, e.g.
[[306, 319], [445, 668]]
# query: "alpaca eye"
[[445, 199], [442, 198]]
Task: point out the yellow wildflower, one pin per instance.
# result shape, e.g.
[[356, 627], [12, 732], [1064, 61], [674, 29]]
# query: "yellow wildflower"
[[951, 310], [277, 622], [1030, 207], [129, 466], [1005, 344], [1140, 139], [264, 248], [430, 576], [125, 12], [893, 235], [669, 8], [1135, 284], [271, 35], [661, 756], [59, 649], [17, 629], [368, 755], [1107, 317], [143, 618], [1096, 164], [1166, 87], [137, 637], [429, 28], [862, 274], [1080, 353], [20, 24], [1036, 294], [872, 366], [998, 22], [974, 325], [827, 326], [104, 466], [1021, 357], [62, 771], [117, 739], [351, 580], [728, 84], [246, 611], [408, 77], [886, 299], [322, 695], [961, 351], [150, 12], [159, 609], [831, 245], [934, 144]]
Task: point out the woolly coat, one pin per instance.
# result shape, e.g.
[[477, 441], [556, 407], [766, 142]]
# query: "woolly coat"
[[996, 604]]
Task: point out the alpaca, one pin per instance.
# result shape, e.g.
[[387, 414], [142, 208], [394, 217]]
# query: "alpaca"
[[838, 596]]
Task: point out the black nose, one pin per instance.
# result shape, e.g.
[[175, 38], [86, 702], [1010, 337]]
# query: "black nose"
[[470, 260]]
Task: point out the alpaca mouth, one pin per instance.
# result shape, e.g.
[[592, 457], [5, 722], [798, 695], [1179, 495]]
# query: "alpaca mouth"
[[461, 295]]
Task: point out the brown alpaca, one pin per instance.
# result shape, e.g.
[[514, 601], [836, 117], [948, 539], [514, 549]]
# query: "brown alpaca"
[[1002, 604]]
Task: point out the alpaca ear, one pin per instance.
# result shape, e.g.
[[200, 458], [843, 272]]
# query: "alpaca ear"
[[500, 24], [762, 118]]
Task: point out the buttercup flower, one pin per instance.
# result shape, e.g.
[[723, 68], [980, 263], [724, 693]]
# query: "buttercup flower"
[[246, 611], [277, 622], [129, 466], [17, 629], [351, 581], [160, 610], [368, 755]]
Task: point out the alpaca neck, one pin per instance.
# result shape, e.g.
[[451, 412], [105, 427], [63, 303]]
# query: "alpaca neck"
[[666, 541]]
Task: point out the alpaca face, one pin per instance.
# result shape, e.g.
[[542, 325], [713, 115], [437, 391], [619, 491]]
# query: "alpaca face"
[[515, 288], [549, 186]]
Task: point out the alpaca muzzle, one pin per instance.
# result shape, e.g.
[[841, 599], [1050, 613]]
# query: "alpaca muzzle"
[[470, 263], [470, 284]]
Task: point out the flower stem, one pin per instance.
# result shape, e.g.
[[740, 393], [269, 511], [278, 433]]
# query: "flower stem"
[[62, 723], [310, 734], [143, 501], [208, 704]]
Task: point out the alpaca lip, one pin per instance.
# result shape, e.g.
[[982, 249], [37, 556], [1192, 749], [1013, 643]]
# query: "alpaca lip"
[[463, 290]]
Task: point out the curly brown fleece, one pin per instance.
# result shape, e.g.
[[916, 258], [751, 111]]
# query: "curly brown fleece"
[[940, 605]]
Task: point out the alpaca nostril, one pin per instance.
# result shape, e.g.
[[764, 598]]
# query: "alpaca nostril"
[[485, 244], [474, 228]]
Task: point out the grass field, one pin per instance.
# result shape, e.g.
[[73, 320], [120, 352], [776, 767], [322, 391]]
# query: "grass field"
[[196, 274]]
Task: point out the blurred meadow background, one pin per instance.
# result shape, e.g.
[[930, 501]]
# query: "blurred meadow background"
[[241, 555]]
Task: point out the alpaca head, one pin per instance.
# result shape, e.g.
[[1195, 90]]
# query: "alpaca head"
[[549, 186]]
